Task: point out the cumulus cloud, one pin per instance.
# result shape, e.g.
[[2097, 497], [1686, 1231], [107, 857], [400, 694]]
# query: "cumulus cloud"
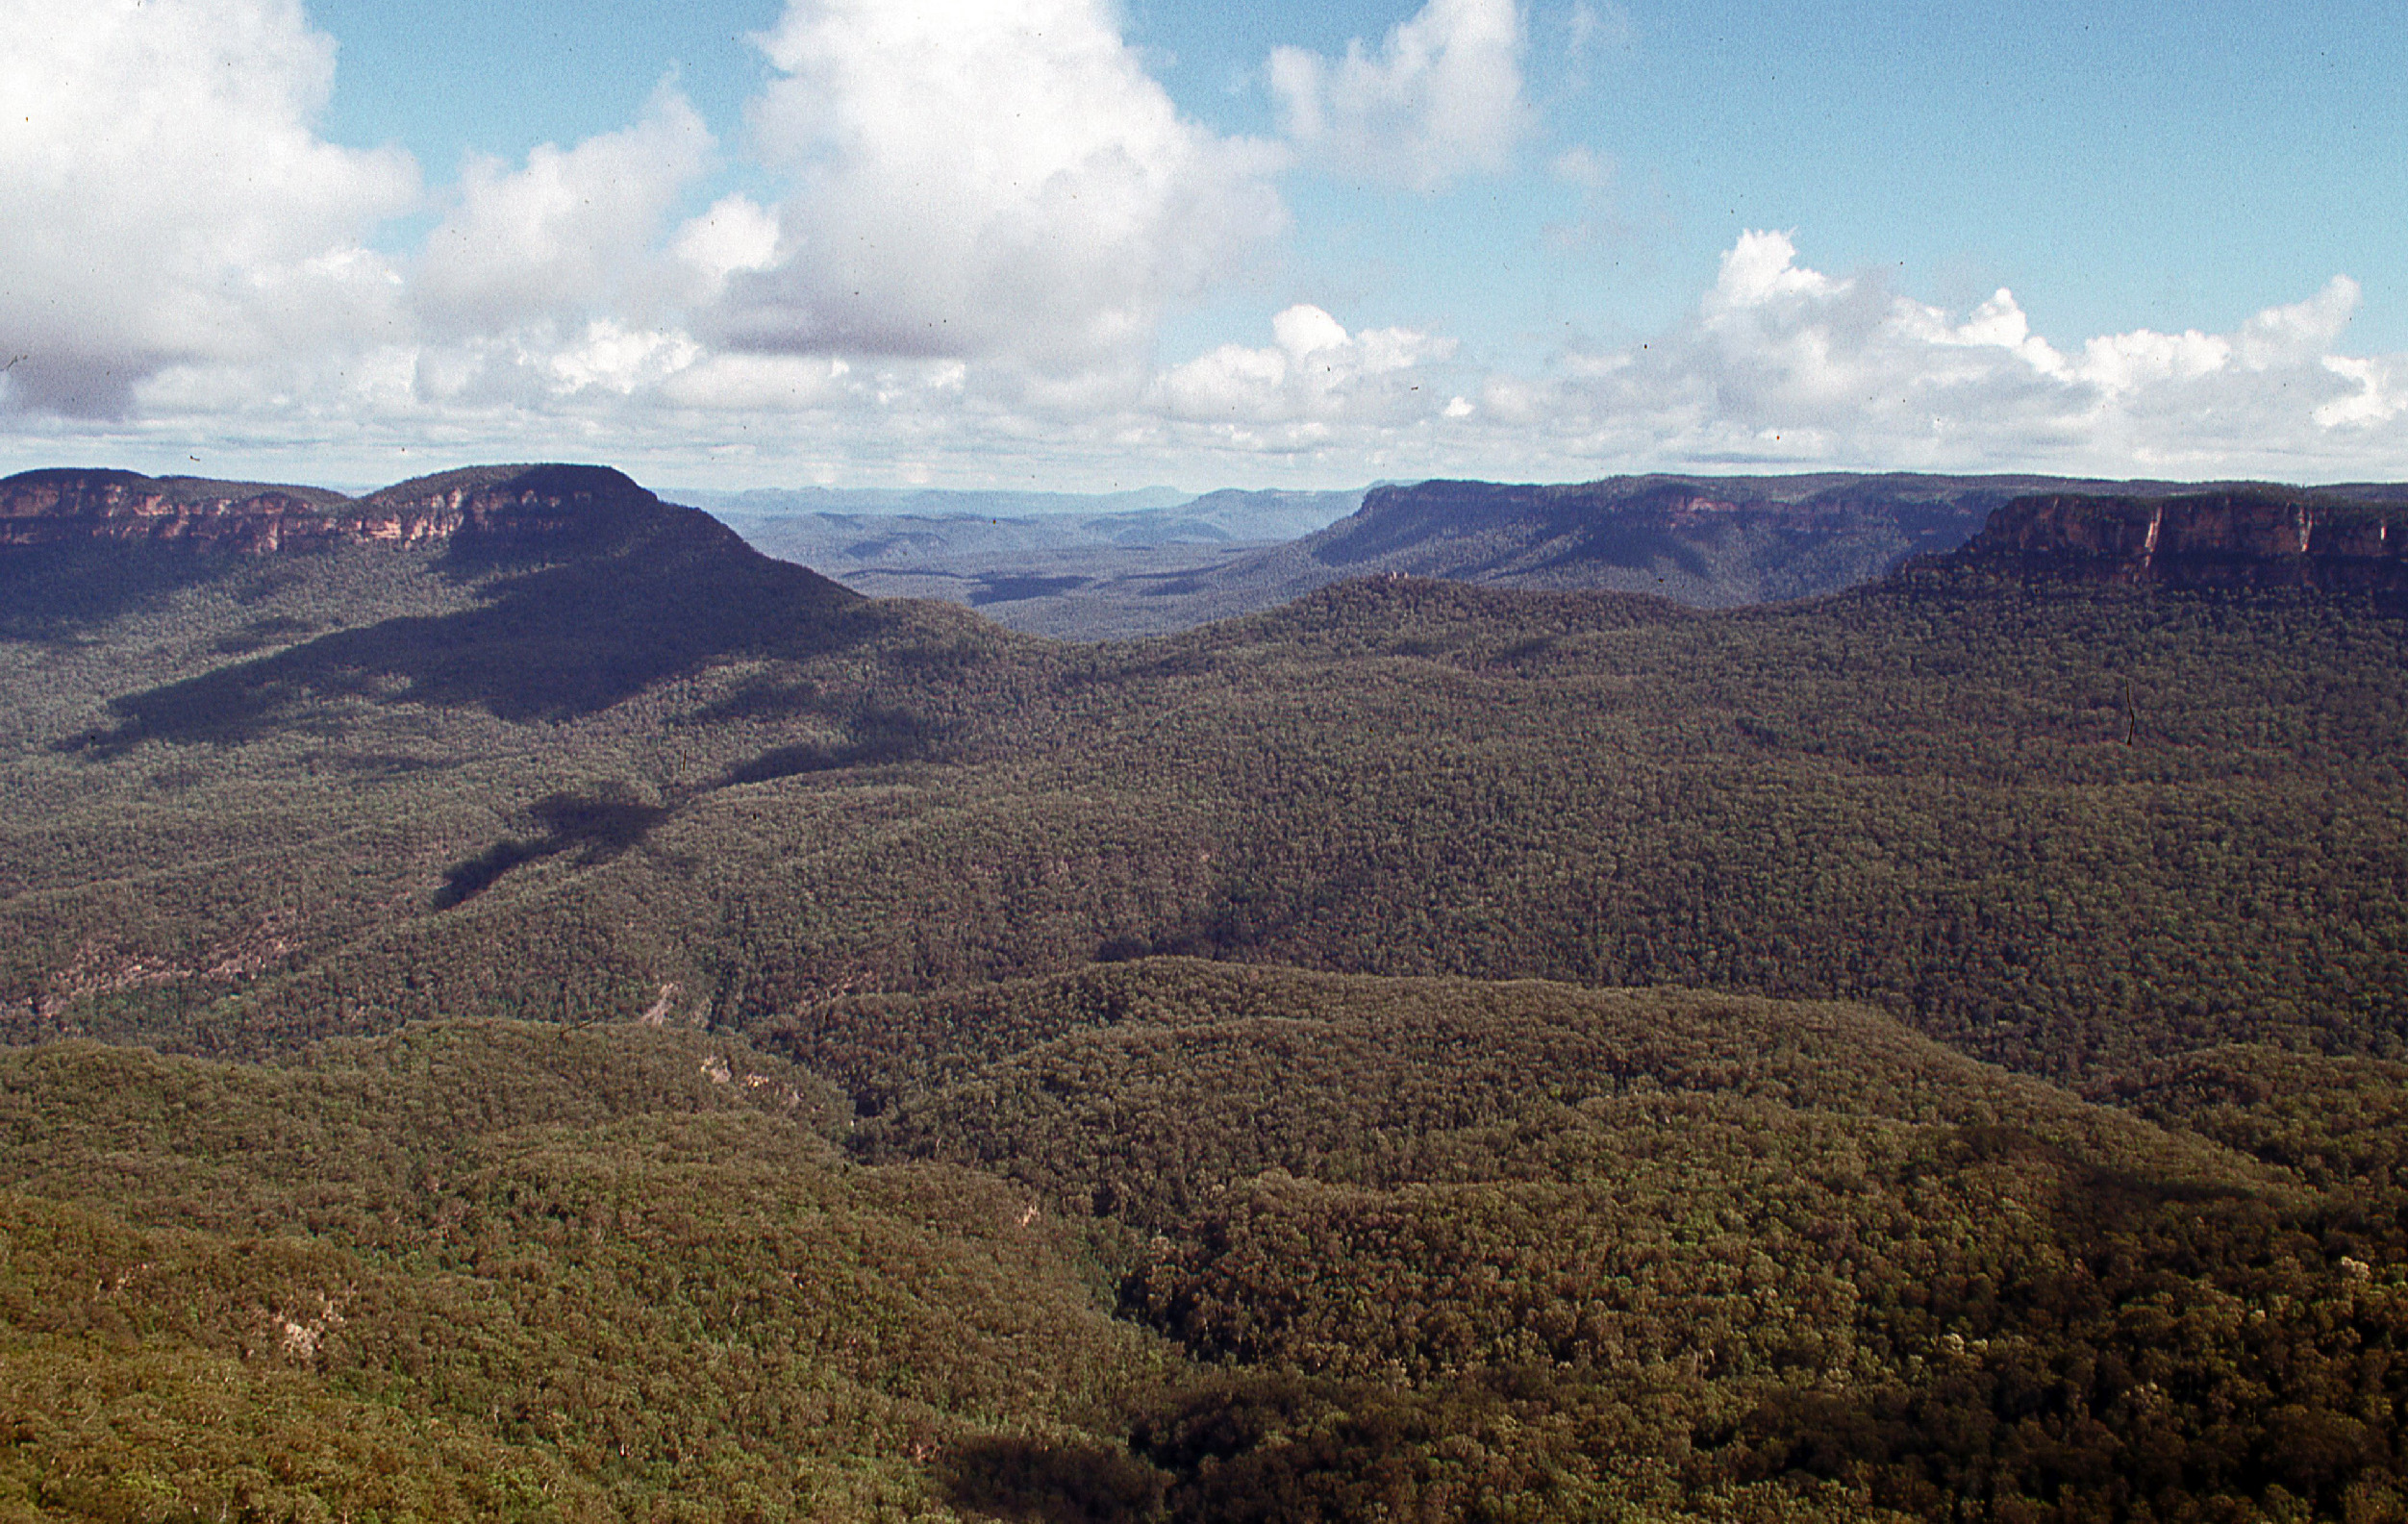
[[1782, 366], [983, 178], [990, 206], [570, 233], [1441, 98], [167, 200], [1782, 363], [1313, 372], [737, 234]]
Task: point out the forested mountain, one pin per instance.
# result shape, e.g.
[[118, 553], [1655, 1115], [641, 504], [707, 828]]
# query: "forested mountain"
[[2065, 825], [1713, 542], [676, 1037], [1710, 541], [1058, 567]]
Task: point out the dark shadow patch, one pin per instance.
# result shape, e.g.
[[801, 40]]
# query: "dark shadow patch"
[[1178, 587], [554, 643], [2092, 1201], [1265, 1446], [873, 736], [53, 593], [1030, 1481], [1620, 543], [260, 634], [599, 827], [1009, 589], [767, 699], [467, 880], [786, 761]]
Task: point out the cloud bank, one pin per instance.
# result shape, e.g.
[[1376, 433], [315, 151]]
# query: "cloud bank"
[[164, 197], [1440, 99], [967, 223], [987, 178], [1785, 363]]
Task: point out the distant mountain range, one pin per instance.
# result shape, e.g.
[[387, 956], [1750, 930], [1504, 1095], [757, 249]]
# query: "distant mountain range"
[[1056, 567], [516, 1003], [1708, 541], [1048, 564], [925, 502]]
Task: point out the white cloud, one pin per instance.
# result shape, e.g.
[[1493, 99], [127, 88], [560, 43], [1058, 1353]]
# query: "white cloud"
[[621, 359], [991, 207], [2378, 399], [984, 178], [1783, 364], [573, 233], [2120, 362], [737, 233], [1760, 270], [760, 383], [1443, 97], [1315, 372], [2301, 331], [164, 199]]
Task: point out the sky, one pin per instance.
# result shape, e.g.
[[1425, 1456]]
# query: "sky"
[[1092, 245]]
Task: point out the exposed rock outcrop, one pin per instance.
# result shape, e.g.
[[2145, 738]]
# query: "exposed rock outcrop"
[[1708, 540], [502, 504], [2246, 537], [60, 507]]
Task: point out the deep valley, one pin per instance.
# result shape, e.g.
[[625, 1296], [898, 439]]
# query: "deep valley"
[[1739, 999]]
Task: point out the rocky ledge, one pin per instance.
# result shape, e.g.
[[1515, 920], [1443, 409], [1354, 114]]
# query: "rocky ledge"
[[2250, 537], [500, 503]]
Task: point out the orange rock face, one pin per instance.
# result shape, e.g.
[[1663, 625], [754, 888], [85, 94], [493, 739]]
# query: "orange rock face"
[[2208, 539], [60, 507], [44, 508]]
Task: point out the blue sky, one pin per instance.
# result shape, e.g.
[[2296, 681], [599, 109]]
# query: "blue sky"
[[1079, 245]]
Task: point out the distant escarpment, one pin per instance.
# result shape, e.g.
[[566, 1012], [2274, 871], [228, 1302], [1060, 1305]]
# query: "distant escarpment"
[[2338, 539], [496, 505], [1710, 541]]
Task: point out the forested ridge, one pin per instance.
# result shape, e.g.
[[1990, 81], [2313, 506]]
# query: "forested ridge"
[[2064, 828], [631, 1029]]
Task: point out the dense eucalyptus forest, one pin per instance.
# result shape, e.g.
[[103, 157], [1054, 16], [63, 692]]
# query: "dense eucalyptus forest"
[[585, 1021]]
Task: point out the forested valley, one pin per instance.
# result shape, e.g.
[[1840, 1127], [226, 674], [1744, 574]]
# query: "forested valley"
[[611, 1026]]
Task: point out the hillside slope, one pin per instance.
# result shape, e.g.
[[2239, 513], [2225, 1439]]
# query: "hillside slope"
[[1710, 541], [483, 1270], [875, 1157], [2063, 824], [1173, 1241]]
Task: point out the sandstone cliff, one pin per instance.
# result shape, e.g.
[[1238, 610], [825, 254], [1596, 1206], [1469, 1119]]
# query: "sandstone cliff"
[[1708, 540], [505, 504], [2243, 538]]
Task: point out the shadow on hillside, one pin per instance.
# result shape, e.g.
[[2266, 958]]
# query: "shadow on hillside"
[[554, 643], [2092, 1201], [1031, 1481], [874, 734], [55, 594], [598, 827], [1005, 587], [1613, 543]]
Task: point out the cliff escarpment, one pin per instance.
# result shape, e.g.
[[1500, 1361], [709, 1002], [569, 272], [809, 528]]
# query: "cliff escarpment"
[[2243, 538], [1713, 542], [494, 505]]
